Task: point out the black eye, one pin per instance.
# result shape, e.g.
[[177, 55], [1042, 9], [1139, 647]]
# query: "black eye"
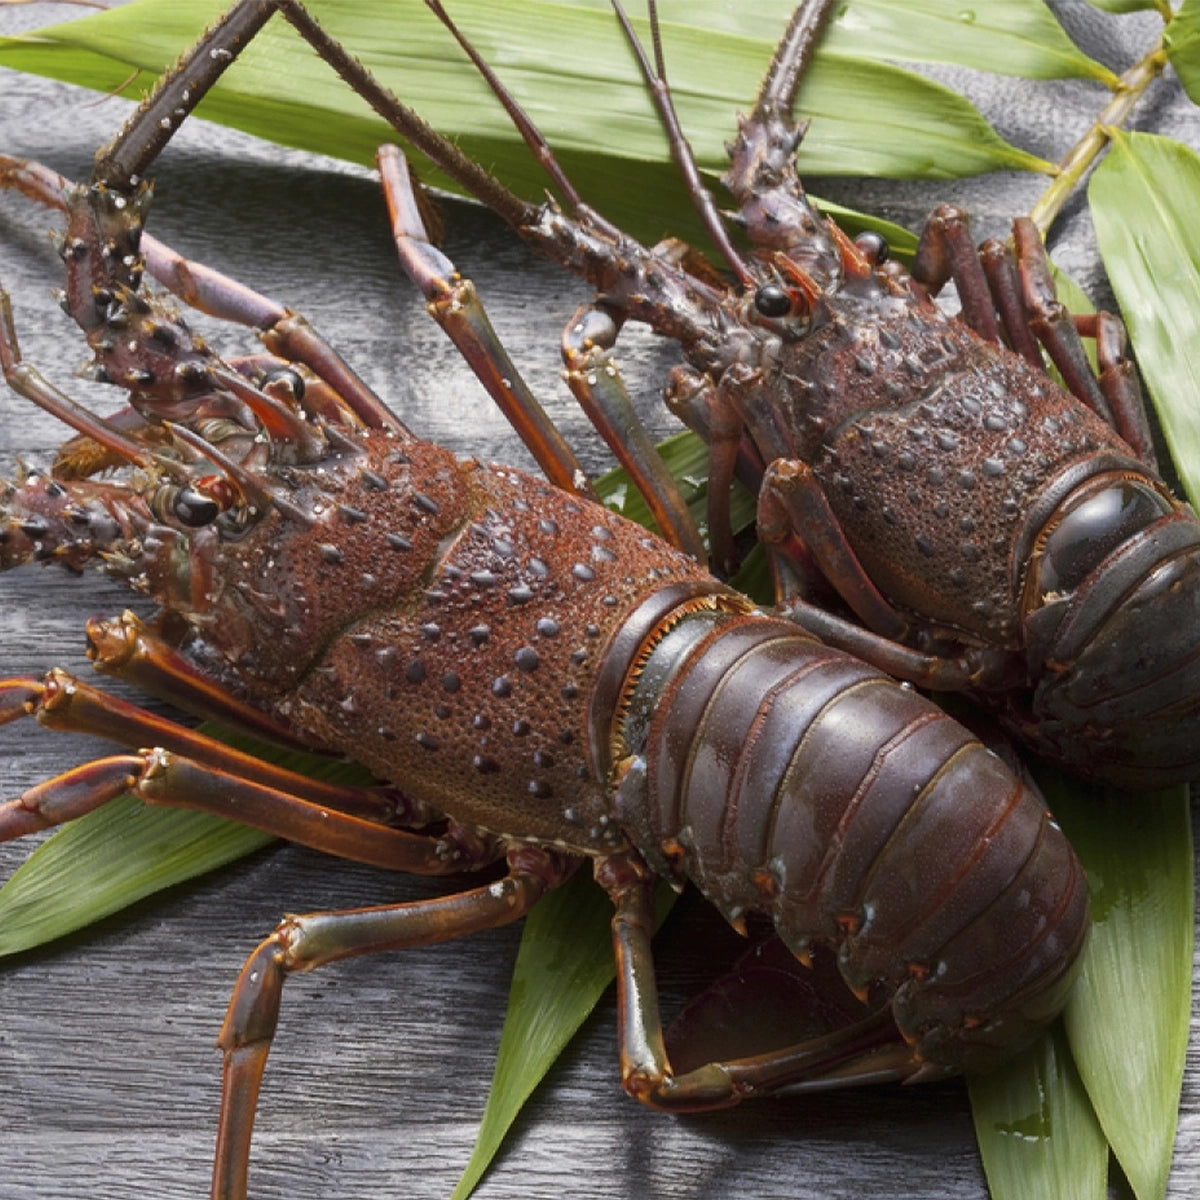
[[286, 375], [772, 301], [194, 509], [873, 247]]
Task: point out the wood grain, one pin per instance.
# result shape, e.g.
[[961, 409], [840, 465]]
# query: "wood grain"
[[108, 1075]]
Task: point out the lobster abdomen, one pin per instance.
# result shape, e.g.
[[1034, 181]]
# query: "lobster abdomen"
[[786, 778]]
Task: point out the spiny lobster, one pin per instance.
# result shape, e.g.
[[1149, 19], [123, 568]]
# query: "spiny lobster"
[[994, 533], [329, 578]]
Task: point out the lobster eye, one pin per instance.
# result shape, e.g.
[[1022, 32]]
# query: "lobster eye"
[[873, 247], [293, 380], [193, 508], [772, 301]]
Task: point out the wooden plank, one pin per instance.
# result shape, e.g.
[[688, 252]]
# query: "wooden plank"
[[108, 1077]]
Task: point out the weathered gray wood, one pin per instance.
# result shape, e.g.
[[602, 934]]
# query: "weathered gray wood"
[[108, 1076]]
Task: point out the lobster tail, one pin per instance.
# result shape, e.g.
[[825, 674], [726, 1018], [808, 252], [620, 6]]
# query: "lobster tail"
[[790, 779]]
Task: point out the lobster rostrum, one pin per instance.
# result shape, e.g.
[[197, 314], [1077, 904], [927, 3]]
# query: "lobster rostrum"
[[929, 497], [533, 679]]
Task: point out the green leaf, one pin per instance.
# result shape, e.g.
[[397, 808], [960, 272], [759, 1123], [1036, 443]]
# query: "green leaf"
[[1044, 1124], [1143, 198], [563, 967], [929, 129], [1181, 40], [108, 860], [127, 850], [1037, 1133], [1129, 1035], [868, 117], [1019, 37]]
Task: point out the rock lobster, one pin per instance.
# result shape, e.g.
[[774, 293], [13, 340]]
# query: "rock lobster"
[[254, 479], [981, 528]]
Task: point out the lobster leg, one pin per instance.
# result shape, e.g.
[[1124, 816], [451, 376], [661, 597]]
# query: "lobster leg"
[[792, 508], [302, 943], [159, 776], [28, 382], [1116, 395], [693, 398], [455, 305], [1004, 280], [704, 408], [123, 647], [595, 381], [1119, 381], [869, 1048], [990, 281], [791, 499], [61, 702], [939, 673], [946, 251]]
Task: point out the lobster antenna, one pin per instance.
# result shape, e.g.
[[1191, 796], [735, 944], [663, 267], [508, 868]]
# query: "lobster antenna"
[[151, 126], [681, 152], [791, 61], [120, 163], [442, 152], [530, 133]]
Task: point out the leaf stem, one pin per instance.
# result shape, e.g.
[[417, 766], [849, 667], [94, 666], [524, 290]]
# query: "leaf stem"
[[1084, 153]]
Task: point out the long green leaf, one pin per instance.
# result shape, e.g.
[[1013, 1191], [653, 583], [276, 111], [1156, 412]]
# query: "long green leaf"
[[1144, 205], [126, 850], [868, 118], [108, 860], [1144, 200], [1128, 1016], [1020, 37], [1036, 1130], [1044, 1125], [563, 966]]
